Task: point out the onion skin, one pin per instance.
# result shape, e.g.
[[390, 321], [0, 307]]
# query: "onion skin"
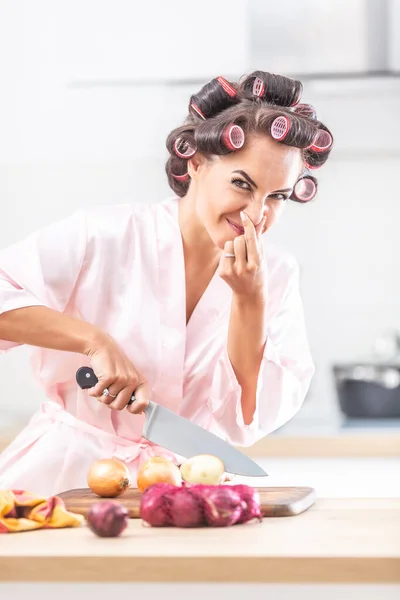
[[158, 469], [223, 506], [203, 469], [155, 504], [251, 498], [164, 505], [187, 509], [107, 519], [108, 478]]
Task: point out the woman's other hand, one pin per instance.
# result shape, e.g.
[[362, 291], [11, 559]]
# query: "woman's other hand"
[[242, 261]]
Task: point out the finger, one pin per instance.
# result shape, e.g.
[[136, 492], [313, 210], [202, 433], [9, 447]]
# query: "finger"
[[122, 399], [113, 388], [97, 390], [251, 238], [228, 248], [142, 397], [226, 262], [260, 227], [240, 250]]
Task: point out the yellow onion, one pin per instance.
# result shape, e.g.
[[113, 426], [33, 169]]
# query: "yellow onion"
[[158, 469], [203, 468], [108, 478]]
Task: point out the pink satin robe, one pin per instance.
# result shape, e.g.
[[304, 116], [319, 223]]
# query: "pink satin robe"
[[122, 268]]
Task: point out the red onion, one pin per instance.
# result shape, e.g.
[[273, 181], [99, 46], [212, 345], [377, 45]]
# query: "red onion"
[[165, 505], [155, 504], [107, 519], [222, 506], [251, 498], [187, 508]]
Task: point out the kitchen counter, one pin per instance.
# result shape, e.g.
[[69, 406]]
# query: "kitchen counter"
[[336, 541], [331, 436], [335, 443]]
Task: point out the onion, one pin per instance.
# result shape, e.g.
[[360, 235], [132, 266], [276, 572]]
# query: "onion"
[[107, 519], [251, 498], [187, 508], [203, 468], [108, 478], [158, 469], [189, 505], [223, 506], [155, 504]]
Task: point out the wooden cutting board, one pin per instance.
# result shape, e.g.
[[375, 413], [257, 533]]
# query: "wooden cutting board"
[[275, 501]]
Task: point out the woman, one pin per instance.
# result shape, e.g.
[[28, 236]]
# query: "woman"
[[180, 301]]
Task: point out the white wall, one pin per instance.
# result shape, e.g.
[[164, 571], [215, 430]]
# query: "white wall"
[[62, 147]]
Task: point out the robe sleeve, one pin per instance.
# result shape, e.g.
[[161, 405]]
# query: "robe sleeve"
[[285, 373], [42, 269]]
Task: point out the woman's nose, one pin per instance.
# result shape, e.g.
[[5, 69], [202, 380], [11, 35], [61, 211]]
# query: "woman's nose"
[[255, 212]]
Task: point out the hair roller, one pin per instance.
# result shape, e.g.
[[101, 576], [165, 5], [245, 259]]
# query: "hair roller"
[[305, 110], [226, 86], [233, 137], [254, 85], [311, 167], [273, 89], [297, 92], [322, 141], [305, 189], [280, 128], [258, 87], [213, 98], [183, 177], [196, 109], [184, 148], [178, 177]]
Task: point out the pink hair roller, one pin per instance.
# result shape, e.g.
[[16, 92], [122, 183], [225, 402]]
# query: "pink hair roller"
[[280, 128], [233, 137], [197, 110], [305, 110], [183, 148], [305, 189], [297, 99], [258, 87], [181, 177], [311, 167], [322, 141], [226, 86]]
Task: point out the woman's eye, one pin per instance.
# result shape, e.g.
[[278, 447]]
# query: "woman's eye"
[[241, 184], [281, 197]]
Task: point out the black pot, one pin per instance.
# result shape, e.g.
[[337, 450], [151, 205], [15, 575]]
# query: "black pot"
[[368, 391]]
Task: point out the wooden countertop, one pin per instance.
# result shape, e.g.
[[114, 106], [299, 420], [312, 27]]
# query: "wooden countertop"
[[346, 444], [341, 541]]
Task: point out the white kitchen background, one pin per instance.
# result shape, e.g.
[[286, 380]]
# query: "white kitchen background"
[[90, 89]]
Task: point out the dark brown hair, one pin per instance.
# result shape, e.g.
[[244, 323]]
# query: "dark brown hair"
[[220, 104]]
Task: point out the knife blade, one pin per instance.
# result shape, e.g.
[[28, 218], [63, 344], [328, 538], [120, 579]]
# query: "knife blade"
[[179, 435]]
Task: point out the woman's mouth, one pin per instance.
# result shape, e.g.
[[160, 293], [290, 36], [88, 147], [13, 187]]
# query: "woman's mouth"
[[238, 228]]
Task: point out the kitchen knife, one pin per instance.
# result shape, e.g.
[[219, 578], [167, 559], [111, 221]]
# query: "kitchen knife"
[[179, 435]]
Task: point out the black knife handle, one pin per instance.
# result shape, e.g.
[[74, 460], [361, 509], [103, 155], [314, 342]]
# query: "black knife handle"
[[86, 378]]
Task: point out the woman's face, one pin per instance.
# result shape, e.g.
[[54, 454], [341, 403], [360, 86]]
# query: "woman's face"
[[257, 179]]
